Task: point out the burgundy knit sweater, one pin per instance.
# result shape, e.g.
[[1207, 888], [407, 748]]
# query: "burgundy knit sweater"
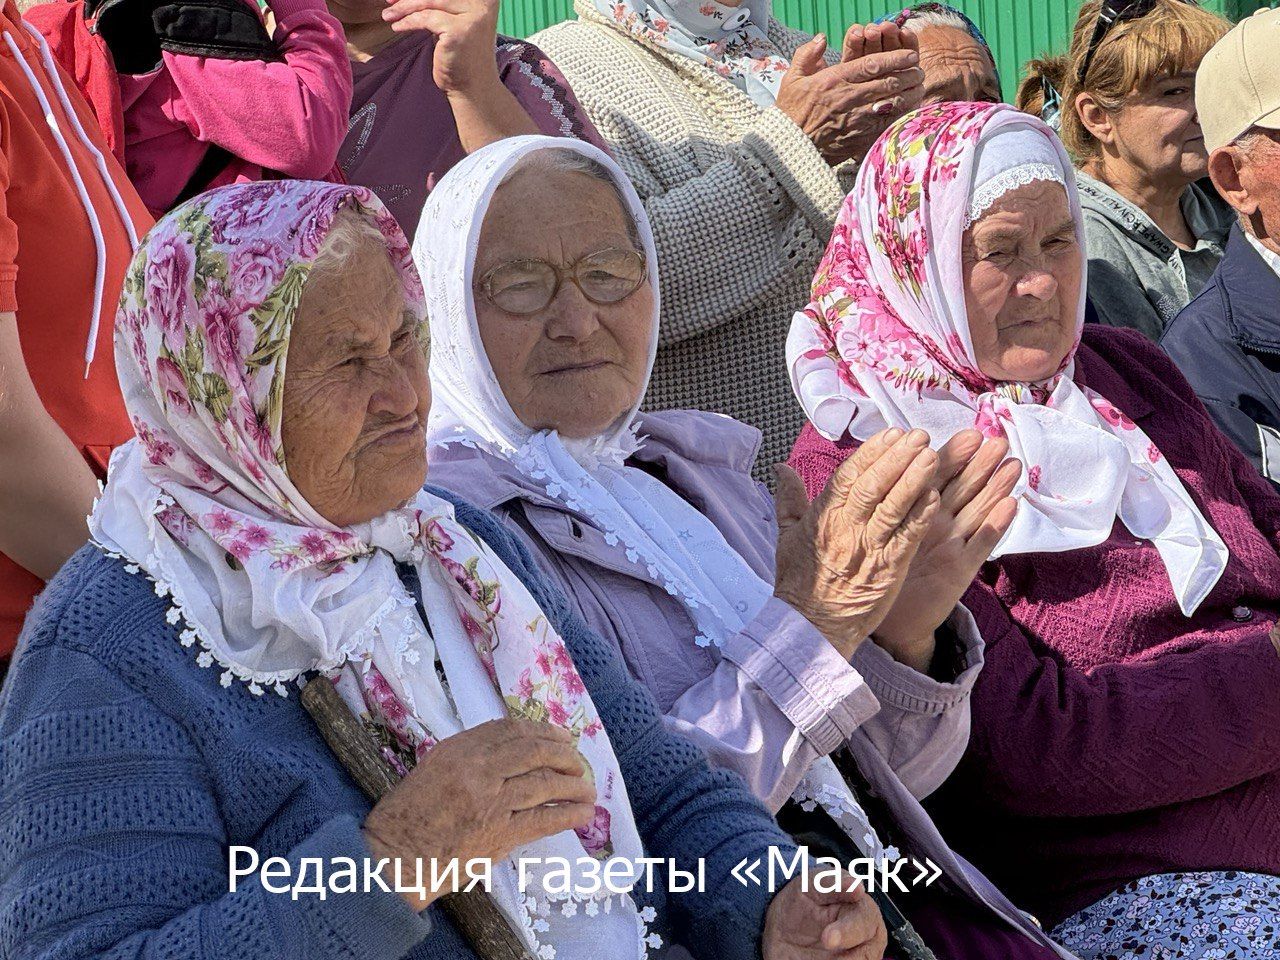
[[1114, 738]]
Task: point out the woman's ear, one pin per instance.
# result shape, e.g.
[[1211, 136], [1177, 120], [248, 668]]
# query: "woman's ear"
[[1224, 171], [1094, 118]]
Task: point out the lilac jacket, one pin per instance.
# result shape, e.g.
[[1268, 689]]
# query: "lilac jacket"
[[776, 696]]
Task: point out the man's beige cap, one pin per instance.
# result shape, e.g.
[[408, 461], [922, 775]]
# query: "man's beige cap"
[[1238, 83]]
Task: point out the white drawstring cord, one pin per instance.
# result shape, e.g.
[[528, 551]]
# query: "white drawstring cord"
[[95, 225], [46, 56]]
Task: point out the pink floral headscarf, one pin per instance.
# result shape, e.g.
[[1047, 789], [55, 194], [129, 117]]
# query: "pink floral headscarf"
[[267, 590], [885, 341]]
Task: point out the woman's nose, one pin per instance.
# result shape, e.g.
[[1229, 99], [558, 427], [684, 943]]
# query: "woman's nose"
[[396, 394], [570, 316], [1038, 283]]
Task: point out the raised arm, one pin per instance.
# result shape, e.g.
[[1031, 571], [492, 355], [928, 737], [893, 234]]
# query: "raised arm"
[[288, 115]]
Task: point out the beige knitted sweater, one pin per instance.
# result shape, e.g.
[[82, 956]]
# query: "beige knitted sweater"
[[742, 205]]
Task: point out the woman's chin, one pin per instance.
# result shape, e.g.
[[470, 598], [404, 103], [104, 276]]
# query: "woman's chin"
[[1027, 364]]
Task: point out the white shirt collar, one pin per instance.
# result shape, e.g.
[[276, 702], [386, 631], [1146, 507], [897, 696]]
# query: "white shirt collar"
[[1271, 258]]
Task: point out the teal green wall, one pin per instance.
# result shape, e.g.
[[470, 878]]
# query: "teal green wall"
[[1017, 29]]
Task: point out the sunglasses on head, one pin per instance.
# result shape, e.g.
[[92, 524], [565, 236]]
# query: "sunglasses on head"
[[1113, 12]]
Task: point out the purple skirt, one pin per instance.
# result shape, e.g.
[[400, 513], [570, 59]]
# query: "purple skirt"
[[955, 929]]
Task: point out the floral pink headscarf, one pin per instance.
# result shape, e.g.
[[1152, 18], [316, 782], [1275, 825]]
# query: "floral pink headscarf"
[[268, 590], [885, 342]]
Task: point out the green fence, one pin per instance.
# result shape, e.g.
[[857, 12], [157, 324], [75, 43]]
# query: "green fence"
[[1017, 29]]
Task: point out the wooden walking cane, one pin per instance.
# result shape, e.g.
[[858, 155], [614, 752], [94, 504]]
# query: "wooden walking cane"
[[477, 916]]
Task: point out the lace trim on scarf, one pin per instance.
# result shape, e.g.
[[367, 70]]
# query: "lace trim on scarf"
[[536, 913], [849, 815], [1010, 179], [191, 632]]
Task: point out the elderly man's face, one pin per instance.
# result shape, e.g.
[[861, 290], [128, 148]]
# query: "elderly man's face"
[[1251, 183], [574, 366], [956, 67], [356, 392], [1022, 267]]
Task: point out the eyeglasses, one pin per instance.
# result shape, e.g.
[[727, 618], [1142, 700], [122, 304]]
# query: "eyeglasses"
[[1113, 12], [527, 286]]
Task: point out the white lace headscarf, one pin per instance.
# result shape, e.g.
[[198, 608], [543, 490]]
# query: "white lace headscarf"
[[653, 531]]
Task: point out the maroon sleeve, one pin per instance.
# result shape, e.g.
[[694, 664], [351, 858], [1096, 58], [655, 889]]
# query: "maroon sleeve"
[[816, 458], [1179, 724], [543, 91]]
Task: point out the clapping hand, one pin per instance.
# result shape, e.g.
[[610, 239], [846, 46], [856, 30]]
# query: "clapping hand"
[[842, 559], [974, 479], [843, 108], [466, 33]]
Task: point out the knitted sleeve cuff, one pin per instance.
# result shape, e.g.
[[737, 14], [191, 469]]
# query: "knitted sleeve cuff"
[[799, 168], [364, 924], [8, 289], [813, 686]]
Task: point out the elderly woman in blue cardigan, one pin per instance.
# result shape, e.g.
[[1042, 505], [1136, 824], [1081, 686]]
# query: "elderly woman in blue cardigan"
[[270, 523]]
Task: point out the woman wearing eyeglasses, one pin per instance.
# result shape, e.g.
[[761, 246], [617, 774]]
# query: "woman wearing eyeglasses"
[[540, 264], [1129, 120]]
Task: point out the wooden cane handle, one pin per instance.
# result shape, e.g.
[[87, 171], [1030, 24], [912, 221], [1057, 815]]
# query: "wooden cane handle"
[[479, 919]]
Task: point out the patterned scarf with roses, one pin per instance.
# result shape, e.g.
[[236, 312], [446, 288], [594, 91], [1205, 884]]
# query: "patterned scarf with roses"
[[732, 41], [267, 591], [885, 342]]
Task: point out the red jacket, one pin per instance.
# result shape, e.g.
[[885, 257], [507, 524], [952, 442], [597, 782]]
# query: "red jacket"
[[49, 260]]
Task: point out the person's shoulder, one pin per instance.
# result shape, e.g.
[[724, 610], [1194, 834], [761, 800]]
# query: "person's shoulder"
[[102, 607], [575, 32], [701, 437], [1120, 362], [593, 49], [1205, 316], [514, 48], [488, 526], [1118, 347]]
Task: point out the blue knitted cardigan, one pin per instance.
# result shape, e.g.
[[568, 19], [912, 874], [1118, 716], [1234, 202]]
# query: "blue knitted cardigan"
[[127, 771]]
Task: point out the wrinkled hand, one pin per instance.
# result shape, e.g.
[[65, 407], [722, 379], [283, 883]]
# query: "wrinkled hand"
[[466, 32], [480, 794], [842, 559], [815, 926], [844, 107], [975, 481]]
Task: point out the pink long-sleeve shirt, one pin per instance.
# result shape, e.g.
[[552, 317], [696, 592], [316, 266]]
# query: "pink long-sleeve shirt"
[[286, 117], [1114, 738]]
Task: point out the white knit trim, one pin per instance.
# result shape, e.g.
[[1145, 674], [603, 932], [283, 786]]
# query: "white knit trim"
[[537, 911], [167, 585], [1010, 179]]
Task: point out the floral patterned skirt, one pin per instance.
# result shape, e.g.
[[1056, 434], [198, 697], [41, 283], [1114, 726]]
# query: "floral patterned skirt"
[[1180, 916]]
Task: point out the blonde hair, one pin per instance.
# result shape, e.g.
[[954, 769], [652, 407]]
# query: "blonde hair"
[[1171, 38]]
